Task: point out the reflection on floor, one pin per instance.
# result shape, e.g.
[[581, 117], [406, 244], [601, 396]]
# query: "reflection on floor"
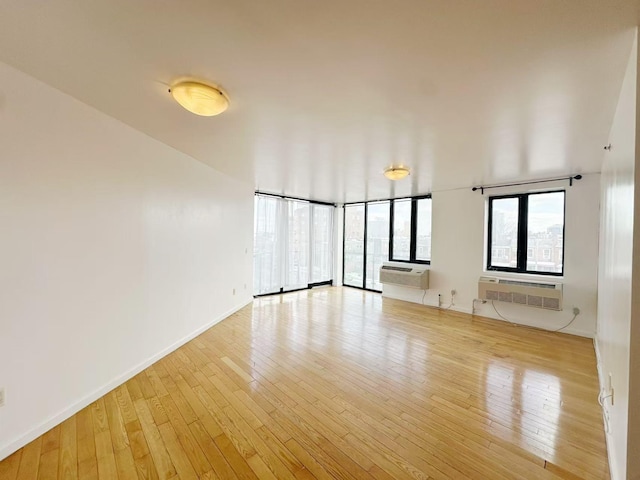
[[341, 383]]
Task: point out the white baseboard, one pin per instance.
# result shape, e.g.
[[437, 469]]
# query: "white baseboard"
[[60, 417], [456, 308], [417, 298]]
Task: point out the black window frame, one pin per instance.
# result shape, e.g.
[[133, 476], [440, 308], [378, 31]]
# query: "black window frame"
[[522, 242], [413, 239]]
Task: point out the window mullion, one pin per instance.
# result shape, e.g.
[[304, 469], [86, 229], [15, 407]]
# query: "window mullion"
[[523, 218], [490, 236], [414, 228], [391, 202], [364, 246]]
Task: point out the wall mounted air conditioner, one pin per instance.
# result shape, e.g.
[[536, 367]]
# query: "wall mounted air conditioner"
[[533, 294], [413, 276]]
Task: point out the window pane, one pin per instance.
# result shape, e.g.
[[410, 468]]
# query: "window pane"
[[504, 233], [545, 229], [266, 246], [322, 240], [297, 249], [423, 235], [401, 229], [354, 245], [377, 242]]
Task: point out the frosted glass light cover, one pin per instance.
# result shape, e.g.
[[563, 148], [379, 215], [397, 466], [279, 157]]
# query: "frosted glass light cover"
[[396, 173], [199, 98]]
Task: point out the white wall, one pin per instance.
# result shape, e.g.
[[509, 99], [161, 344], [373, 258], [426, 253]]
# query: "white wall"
[[618, 275], [458, 257], [114, 249]]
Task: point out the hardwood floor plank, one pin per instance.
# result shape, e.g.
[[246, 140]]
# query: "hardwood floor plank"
[[216, 459], [188, 443], [9, 468], [137, 440], [157, 449], [51, 440], [237, 461], [145, 468], [307, 460], [157, 411], [155, 381], [48, 465], [105, 457], [125, 404], [178, 457], [68, 461], [30, 460]]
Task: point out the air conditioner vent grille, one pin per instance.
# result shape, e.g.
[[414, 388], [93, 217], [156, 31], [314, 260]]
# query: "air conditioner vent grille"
[[397, 269], [526, 284], [519, 298], [534, 300], [551, 303], [505, 297], [532, 294]]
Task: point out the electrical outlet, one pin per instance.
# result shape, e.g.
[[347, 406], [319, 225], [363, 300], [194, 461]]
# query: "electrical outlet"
[[453, 292], [576, 311], [2, 397], [610, 385]]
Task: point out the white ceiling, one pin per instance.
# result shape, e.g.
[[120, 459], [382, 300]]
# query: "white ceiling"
[[325, 95]]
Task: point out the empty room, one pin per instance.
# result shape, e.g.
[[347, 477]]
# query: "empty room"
[[331, 240]]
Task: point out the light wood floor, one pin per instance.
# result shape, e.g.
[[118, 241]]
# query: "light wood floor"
[[340, 383]]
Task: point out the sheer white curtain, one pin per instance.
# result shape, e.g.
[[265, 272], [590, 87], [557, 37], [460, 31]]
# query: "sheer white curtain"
[[293, 244], [322, 244], [297, 245], [267, 245]]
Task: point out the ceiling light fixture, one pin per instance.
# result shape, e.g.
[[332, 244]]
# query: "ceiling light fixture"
[[199, 98], [396, 173]]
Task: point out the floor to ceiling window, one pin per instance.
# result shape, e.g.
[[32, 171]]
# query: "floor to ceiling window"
[[375, 232], [293, 244], [322, 245], [378, 218], [353, 270]]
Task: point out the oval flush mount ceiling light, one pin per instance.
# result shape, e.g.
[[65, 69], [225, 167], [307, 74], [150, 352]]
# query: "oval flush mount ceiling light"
[[396, 173], [200, 98]]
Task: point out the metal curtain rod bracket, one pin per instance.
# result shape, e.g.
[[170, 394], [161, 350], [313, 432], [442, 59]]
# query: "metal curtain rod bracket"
[[571, 178]]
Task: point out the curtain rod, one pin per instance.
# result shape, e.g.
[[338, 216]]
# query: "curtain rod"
[[570, 178], [378, 200], [277, 195]]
